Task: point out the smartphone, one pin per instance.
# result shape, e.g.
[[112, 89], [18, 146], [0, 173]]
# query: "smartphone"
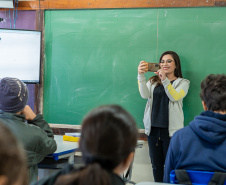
[[153, 67]]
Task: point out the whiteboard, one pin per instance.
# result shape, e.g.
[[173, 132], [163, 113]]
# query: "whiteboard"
[[20, 54]]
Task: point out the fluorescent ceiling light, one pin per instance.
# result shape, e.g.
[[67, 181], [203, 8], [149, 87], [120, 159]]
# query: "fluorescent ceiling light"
[[6, 4]]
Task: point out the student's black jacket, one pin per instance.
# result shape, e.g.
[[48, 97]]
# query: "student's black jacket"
[[116, 180]]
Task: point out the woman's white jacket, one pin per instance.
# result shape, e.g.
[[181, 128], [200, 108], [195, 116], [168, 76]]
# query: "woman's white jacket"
[[175, 92]]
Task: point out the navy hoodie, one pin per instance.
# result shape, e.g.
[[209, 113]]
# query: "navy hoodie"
[[199, 146]]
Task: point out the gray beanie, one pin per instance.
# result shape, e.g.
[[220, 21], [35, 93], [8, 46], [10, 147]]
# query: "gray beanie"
[[13, 95]]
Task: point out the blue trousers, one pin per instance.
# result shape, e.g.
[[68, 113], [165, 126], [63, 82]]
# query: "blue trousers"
[[158, 142]]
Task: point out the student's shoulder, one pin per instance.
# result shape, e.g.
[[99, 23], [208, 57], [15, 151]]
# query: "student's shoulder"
[[116, 180], [35, 129], [183, 132], [52, 178]]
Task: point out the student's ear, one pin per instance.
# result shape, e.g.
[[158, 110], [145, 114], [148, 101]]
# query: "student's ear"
[[3, 180], [204, 106], [129, 159], [121, 168]]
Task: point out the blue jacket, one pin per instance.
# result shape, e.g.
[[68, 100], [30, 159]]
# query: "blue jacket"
[[199, 146]]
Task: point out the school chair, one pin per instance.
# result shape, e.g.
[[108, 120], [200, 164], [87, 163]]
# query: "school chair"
[[183, 176]]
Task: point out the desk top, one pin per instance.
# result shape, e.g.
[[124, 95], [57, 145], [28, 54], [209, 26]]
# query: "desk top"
[[64, 147], [67, 147]]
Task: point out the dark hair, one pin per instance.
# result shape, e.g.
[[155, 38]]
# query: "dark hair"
[[109, 135], [177, 72], [213, 92], [12, 160]]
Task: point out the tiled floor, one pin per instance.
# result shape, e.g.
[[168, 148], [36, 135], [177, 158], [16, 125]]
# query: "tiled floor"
[[142, 170]]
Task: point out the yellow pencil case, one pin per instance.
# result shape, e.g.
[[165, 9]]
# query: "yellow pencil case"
[[70, 138]]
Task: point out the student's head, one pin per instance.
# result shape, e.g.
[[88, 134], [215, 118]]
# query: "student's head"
[[13, 170], [13, 95], [108, 140], [213, 92], [175, 60]]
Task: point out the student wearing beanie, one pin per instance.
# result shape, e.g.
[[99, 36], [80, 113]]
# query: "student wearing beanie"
[[30, 129]]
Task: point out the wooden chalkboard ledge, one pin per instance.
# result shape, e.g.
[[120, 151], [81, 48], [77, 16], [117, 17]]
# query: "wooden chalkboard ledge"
[[59, 129]]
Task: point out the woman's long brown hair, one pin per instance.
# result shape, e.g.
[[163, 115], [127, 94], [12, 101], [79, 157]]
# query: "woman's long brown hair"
[[177, 72]]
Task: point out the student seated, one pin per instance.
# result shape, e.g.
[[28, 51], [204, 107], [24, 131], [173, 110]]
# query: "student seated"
[[13, 169], [30, 129], [202, 144], [108, 140]]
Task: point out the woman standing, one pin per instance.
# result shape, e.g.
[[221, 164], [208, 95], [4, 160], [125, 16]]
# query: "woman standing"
[[163, 113]]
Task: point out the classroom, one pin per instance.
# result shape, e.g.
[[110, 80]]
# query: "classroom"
[[90, 51]]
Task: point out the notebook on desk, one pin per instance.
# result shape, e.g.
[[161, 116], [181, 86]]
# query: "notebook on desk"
[[74, 134]]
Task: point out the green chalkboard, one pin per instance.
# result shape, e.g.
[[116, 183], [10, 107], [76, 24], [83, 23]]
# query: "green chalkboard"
[[91, 56]]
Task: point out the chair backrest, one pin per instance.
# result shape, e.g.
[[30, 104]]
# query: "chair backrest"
[[199, 177]]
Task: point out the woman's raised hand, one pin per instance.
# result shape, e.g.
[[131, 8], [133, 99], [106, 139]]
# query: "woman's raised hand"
[[142, 68], [161, 73]]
